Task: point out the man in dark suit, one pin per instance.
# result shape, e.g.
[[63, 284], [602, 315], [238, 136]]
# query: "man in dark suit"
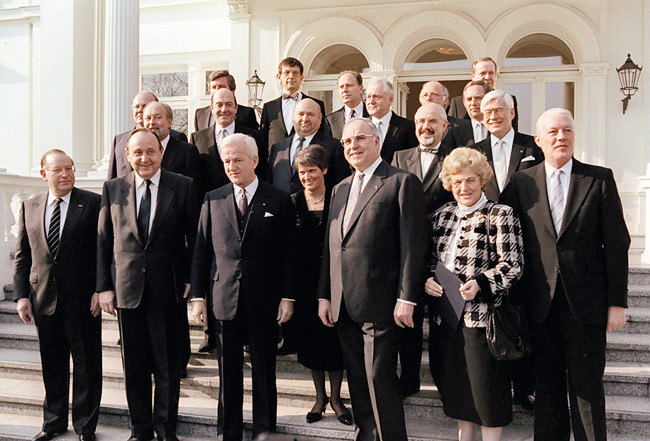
[[350, 85], [54, 282], [147, 227], [484, 69], [424, 161], [307, 119], [178, 157], [118, 165], [436, 92], [224, 106], [277, 115], [204, 118], [372, 275], [507, 151], [575, 278], [242, 267], [396, 133], [466, 135]]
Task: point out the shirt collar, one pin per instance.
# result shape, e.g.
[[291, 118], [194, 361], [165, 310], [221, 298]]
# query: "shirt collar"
[[358, 111], [250, 189], [509, 139], [475, 122], [308, 139], [435, 147], [463, 210], [385, 119], [230, 129], [51, 198], [164, 142], [566, 168], [155, 179], [371, 169]]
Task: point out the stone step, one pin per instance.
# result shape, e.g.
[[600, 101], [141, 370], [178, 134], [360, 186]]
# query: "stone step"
[[639, 276], [638, 321], [638, 296], [626, 347]]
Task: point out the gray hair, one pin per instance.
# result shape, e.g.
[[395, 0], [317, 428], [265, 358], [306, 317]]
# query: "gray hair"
[[251, 146], [374, 131], [554, 111], [495, 95], [386, 85]]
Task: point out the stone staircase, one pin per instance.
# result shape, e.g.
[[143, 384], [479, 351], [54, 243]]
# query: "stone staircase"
[[627, 384]]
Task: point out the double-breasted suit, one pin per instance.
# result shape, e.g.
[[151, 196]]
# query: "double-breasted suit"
[[365, 270], [570, 280], [149, 285], [242, 267], [60, 288]]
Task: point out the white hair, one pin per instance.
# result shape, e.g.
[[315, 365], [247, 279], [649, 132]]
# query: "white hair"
[[251, 146], [554, 111], [374, 131], [495, 95], [386, 85]]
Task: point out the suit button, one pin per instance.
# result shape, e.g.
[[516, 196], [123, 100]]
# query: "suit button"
[[239, 277], [342, 248], [557, 269], [144, 270]]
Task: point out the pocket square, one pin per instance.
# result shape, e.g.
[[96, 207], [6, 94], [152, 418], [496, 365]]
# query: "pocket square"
[[267, 214], [528, 158]]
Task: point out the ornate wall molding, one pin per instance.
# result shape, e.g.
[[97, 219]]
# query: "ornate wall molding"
[[238, 8]]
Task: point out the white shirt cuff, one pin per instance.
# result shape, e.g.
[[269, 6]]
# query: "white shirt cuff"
[[407, 302], [290, 300]]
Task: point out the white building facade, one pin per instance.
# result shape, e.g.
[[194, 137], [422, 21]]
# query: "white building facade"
[[69, 68]]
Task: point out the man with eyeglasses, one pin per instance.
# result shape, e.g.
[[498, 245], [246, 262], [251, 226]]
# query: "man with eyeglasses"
[[118, 165], [436, 92], [54, 283], [372, 275], [507, 151]]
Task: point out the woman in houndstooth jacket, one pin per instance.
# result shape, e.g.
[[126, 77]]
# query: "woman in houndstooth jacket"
[[481, 243]]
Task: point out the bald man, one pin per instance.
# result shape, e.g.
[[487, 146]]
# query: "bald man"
[[436, 92]]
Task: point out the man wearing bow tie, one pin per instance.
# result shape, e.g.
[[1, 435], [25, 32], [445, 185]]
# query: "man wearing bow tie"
[[242, 269], [277, 115]]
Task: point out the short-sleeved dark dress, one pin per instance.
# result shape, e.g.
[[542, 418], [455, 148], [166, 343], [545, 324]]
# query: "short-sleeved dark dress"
[[318, 345]]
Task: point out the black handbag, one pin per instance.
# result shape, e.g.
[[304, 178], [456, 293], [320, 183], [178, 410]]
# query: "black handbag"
[[507, 332]]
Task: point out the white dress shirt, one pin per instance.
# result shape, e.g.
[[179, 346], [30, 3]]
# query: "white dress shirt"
[[501, 156], [140, 188], [49, 208], [358, 111], [287, 111], [250, 190], [565, 179], [483, 131], [294, 145], [383, 127], [219, 135], [426, 158]]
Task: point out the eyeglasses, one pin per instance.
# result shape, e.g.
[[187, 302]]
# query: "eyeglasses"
[[497, 111], [347, 142], [470, 182]]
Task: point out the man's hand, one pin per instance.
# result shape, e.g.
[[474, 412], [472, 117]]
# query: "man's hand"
[[285, 311], [107, 302], [403, 314], [469, 290], [24, 308], [95, 309], [432, 287], [186, 293], [199, 312], [325, 312], [615, 318]]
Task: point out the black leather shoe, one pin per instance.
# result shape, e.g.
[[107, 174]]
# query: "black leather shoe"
[[205, 347], [312, 417], [87, 437], [47, 435], [140, 438]]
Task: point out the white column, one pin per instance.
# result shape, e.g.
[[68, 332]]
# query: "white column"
[[122, 67], [240, 46], [644, 182], [591, 112]]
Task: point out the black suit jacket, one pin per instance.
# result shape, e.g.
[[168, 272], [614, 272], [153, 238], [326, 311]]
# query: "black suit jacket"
[[245, 117], [589, 256], [381, 257], [435, 195], [525, 154], [182, 158], [461, 135], [457, 110], [42, 277], [256, 265], [400, 135], [336, 120], [281, 176], [272, 123], [118, 165], [212, 173], [164, 260]]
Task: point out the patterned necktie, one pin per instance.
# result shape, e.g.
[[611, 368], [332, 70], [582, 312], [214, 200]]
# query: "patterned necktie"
[[355, 192], [54, 230], [500, 163], [293, 96], [557, 199], [298, 149], [380, 125], [479, 132], [243, 202], [144, 215], [429, 150]]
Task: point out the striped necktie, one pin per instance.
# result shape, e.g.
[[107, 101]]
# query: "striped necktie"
[[54, 230], [355, 192], [557, 200]]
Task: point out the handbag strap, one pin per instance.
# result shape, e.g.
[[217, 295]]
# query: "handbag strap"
[[492, 252]]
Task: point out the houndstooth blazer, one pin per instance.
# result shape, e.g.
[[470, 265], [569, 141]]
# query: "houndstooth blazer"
[[493, 258]]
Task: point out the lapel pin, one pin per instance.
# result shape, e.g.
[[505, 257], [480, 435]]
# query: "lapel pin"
[[376, 187]]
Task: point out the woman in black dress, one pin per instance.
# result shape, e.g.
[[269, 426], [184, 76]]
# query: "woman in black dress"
[[318, 345]]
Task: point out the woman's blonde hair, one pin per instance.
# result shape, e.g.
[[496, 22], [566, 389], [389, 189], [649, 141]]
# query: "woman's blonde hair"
[[461, 158]]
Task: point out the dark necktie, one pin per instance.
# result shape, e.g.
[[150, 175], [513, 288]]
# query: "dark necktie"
[[54, 230], [298, 149], [145, 213], [353, 114], [243, 203]]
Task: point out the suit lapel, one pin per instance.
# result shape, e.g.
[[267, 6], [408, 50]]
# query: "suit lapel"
[[170, 154], [130, 207], [39, 207], [542, 209], [432, 173], [375, 182], [257, 208], [486, 147], [228, 207], [391, 133], [414, 164], [75, 209], [579, 185], [164, 200]]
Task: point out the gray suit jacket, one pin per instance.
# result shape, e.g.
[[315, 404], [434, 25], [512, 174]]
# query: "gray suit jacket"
[[40, 276], [164, 260], [381, 258]]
